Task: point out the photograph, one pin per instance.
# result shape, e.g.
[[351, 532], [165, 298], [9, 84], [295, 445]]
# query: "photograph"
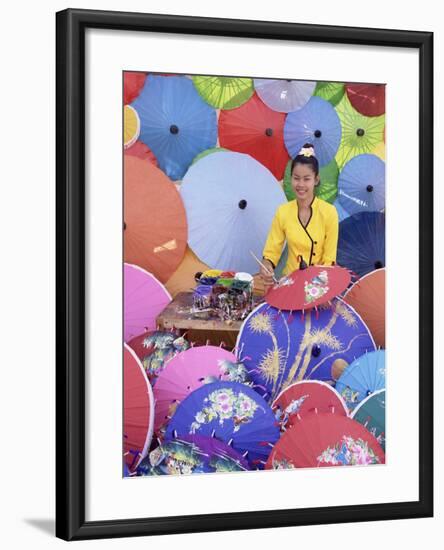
[[253, 274]]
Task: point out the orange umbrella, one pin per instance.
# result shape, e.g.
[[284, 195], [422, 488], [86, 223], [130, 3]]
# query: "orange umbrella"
[[155, 224], [367, 297], [182, 279]]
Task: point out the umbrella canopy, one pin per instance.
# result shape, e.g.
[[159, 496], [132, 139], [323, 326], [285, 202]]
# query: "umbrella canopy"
[[280, 348], [360, 134], [284, 95], [176, 123], [367, 99], [155, 348], [131, 126], [132, 84], [317, 123], [363, 377], [361, 185], [361, 242], [371, 414], [325, 440], [308, 288], [155, 224], [183, 279], [367, 297], [186, 372], [224, 92], [328, 185], [144, 299], [192, 454], [230, 200], [138, 410], [257, 130], [301, 398], [330, 91], [342, 212], [140, 150], [233, 413], [209, 151]]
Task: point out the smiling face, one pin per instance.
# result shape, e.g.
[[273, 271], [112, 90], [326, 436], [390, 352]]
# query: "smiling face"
[[303, 181]]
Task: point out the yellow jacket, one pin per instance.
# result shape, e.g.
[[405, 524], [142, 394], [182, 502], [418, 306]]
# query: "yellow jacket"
[[317, 242]]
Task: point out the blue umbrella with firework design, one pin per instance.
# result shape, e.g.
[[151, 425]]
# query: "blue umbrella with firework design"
[[192, 454], [176, 123], [284, 95], [363, 377], [361, 243], [371, 414], [317, 123], [279, 348], [233, 413], [361, 185]]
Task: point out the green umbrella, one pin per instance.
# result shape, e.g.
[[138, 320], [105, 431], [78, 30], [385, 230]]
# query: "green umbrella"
[[360, 134], [331, 91], [224, 92], [208, 152], [371, 414], [328, 188]]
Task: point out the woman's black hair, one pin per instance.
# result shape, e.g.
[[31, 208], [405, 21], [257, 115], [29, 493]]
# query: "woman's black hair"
[[302, 159]]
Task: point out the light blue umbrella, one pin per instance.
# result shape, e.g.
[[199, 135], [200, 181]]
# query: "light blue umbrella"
[[361, 185], [176, 123], [230, 200], [284, 95], [342, 212], [317, 123], [361, 378]]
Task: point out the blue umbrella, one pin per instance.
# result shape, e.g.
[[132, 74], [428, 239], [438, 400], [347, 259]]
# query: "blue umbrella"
[[363, 377], [230, 200], [176, 123], [361, 243], [279, 348], [284, 95], [342, 212], [317, 123], [361, 185], [233, 413]]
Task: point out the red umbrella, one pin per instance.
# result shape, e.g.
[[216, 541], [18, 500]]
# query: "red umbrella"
[[367, 99], [255, 129], [325, 439], [306, 397], [142, 151], [132, 85], [138, 410], [308, 288]]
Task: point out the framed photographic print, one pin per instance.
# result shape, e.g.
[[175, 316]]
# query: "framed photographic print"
[[244, 274]]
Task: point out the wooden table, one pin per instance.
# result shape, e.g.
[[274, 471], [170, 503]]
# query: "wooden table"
[[177, 315]]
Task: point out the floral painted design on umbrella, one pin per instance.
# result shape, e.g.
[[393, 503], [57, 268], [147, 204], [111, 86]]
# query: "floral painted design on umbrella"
[[280, 347], [371, 414]]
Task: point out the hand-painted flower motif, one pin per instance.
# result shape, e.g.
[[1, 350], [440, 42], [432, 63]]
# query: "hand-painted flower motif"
[[348, 452], [316, 288]]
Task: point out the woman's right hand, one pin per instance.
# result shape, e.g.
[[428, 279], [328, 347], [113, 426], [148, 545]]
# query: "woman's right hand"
[[267, 273]]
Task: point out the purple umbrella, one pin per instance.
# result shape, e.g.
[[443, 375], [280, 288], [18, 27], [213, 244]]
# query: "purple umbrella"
[[284, 95], [279, 348], [144, 299], [233, 413]]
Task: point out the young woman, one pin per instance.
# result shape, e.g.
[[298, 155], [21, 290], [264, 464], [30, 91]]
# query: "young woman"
[[309, 224]]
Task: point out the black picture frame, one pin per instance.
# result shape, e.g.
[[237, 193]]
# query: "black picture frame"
[[70, 273]]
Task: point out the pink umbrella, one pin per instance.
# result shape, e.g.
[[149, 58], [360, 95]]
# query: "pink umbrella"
[[184, 373], [145, 298], [138, 410]]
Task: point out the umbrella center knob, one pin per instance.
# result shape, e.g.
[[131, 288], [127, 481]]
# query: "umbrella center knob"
[[378, 264], [124, 226], [174, 129], [369, 188], [288, 79], [360, 132], [242, 204], [317, 134], [269, 132], [316, 350]]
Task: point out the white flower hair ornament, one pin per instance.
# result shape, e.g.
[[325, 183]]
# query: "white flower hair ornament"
[[307, 152]]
